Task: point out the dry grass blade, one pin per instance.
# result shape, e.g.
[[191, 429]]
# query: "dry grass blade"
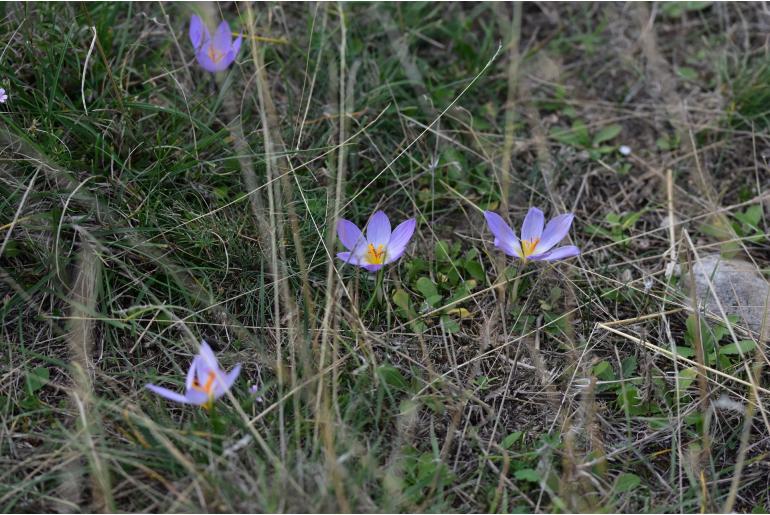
[[81, 344]]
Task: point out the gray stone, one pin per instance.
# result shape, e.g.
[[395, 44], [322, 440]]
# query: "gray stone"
[[738, 285]]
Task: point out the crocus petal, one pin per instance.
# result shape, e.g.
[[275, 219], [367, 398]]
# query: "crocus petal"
[[554, 232], [191, 373], [223, 38], [166, 393], [206, 63], [350, 235], [227, 60], [198, 32], [207, 363], [237, 45], [350, 258], [505, 237], [371, 268], [196, 397], [227, 382], [399, 239], [207, 356], [378, 229], [532, 228], [564, 252], [393, 255]]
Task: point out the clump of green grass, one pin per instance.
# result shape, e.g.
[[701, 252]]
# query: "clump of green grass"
[[751, 94]]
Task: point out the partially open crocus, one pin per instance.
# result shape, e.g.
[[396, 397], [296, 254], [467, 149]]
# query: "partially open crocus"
[[3, 96], [206, 381], [380, 246], [536, 243], [217, 53]]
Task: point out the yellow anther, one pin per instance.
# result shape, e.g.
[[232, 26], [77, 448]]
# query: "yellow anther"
[[375, 256], [528, 247]]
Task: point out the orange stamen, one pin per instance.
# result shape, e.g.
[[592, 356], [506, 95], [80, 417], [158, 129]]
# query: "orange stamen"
[[528, 247], [206, 388], [375, 256], [214, 55]]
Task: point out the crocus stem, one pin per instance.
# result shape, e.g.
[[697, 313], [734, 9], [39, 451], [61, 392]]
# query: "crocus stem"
[[217, 427], [514, 295], [377, 294]]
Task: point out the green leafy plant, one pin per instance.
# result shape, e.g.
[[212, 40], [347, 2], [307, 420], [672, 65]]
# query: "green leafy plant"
[[668, 142], [747, 224], [423, 473], [456, 276], [617, 226], [626, 482], [36, 379], [711, 336], [678, 9], [579, 137], [454, 173]]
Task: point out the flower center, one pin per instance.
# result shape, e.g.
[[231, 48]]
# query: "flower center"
[[375, 256], [528, 247], [214, 54], [206, 388]]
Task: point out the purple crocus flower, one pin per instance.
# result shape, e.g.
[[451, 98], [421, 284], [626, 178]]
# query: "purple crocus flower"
[[206, 381], [380, 246], [3, 96], [536, 242], [217, 53]]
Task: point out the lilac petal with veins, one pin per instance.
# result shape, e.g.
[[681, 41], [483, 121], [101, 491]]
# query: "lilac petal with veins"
[[560, 253], [192, 372], [554, 232], [505, 237], [230, 378], [199, 34], [167, 394], [378, 229], [207, 356], [393, 255], [350, 235], [197, 397], [399, 239], [236, 47], [532, 228], [223, 38]]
